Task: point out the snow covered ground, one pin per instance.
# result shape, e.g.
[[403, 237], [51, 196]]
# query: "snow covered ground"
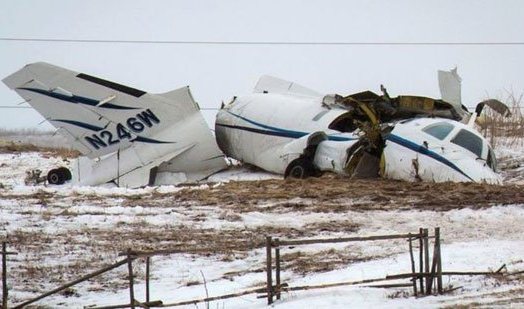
[[63, 232]]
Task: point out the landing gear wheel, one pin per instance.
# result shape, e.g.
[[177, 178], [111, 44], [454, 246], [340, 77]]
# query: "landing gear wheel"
[[299, 169], [55, 177], [65, 172]]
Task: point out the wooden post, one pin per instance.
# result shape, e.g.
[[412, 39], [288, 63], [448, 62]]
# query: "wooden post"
[[434, 262], [277, 266], [4, 275], [148, 261], [269, 271], [131, 281], [421, 258], [439, 260], [413, 271], [426, 259]]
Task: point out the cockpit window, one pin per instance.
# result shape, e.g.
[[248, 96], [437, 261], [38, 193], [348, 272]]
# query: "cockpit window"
[[439, 130], [469, 141]]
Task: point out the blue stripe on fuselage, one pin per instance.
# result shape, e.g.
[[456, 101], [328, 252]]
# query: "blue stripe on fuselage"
[[423, 150], [274, 131]]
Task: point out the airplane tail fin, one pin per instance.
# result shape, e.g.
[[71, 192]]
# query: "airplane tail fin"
[[106, 120], [450, 88]]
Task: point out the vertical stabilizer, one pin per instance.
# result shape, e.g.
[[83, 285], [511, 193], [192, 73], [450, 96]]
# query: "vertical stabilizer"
[[450, 88]]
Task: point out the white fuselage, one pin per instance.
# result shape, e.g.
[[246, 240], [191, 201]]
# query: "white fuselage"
[[436, 149], [271, 130]]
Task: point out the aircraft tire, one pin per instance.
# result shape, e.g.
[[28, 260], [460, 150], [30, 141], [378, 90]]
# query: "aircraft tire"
[[55, 177], [65, 172], [297, 169]]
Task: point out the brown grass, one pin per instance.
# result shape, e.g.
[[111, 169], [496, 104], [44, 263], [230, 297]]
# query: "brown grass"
[[326, 260], [12, 147], [311, 195]]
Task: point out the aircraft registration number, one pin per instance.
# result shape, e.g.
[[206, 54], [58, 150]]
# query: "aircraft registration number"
[[137, 124]]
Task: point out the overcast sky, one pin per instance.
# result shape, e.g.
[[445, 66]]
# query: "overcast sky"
[[217, 72]]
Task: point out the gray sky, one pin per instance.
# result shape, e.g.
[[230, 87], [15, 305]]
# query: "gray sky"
[[217, 72]]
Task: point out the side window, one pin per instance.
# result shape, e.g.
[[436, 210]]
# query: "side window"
[[439, 130], [469, 141]]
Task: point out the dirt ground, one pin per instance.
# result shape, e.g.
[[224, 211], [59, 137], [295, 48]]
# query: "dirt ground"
[[331, 193]]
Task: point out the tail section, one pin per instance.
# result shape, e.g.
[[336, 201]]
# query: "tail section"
[[101, 118]]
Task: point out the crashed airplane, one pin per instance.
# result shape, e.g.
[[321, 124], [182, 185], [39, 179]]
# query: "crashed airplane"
[[126, 136], [288, 129], [132, 138]]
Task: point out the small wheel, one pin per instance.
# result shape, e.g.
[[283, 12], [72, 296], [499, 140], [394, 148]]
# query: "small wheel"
[[297, 169], [65, 173], [55, 177]]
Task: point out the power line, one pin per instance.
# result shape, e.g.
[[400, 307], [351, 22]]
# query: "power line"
[[202, 109], [311, 43]]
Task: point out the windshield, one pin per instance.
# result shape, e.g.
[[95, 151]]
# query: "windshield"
[[439, 130], [469, 141]]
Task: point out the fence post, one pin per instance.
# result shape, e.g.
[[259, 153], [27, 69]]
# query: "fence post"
[[148, 261], [413, 271], [426, 260], [131, 283], [434, 264], [277, 266], [269, 271], [4, 275], [439, 260], [421, 258]]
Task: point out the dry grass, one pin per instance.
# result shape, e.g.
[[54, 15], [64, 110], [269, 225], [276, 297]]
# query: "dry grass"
[[21, 132], [12, 147], [341, 195], [311, 195], [326, 260]]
